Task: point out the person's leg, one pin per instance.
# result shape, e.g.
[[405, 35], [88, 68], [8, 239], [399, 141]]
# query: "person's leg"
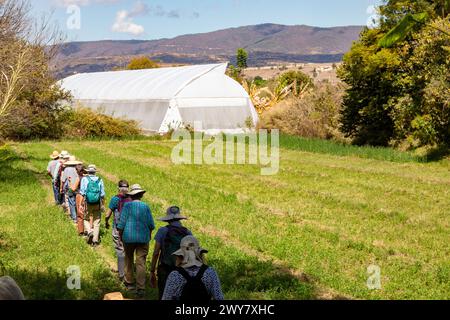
[[80, 213], [129, 263], [73, 207], [56, 193], [141, 259], [120, 252], [97, 216], [163, 273], [87, 225]]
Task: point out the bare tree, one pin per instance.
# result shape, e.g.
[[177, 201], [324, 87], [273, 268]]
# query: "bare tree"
[[26, 46]]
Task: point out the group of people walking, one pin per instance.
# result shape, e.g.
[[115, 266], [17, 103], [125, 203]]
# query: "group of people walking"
[[178, 268]]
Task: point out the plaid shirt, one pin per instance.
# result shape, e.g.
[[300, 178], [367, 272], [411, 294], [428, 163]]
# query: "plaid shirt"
[[137, 223]]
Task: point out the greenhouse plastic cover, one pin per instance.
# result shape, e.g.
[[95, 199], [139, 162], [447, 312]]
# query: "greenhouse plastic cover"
[[164, 98]]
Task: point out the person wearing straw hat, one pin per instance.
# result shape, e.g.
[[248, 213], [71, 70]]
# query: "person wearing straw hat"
[[68, 179], [135, 229], [168, 239], [81, 203], [93, 191], [63, 157], [50, 169], [193, 280]]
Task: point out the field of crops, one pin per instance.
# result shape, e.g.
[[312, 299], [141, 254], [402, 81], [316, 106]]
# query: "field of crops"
[[309, 232]]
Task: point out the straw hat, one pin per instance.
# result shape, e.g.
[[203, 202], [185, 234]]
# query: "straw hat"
[[73, 161], [91, 168], [136, 189], [191, 252], [173, 214], [54, 155]]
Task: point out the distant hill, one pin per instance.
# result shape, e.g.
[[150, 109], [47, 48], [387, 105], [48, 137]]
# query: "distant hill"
[[266, 43]]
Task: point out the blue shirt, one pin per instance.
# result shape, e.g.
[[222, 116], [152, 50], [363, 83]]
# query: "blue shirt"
[[162, 232], [137, 223], [85, 182]]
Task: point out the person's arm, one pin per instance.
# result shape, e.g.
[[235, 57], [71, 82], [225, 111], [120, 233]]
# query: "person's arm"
[[214, 287], [151, 225], [113, 206], [74, 186], [155, 258], [50, 174], [55, 171], [107, 217], [83, 186], [172, 285]]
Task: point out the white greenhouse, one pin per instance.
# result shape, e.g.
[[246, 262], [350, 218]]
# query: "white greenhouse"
[[164, 98]]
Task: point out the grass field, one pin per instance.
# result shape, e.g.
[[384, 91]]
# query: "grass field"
[[309, 232]]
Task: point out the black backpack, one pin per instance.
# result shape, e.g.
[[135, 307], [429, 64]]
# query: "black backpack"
[[194, 290], [171, 244]]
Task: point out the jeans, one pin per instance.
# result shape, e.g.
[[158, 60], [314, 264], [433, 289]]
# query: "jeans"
[[56, 194], [120, 252], [72, 200]]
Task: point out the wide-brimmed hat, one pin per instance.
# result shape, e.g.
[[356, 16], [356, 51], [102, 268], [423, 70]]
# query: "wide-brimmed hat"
[[91, 168], [191, 252], [173, 214], [136, 189], [64, 155], [73, 161], [55, 155]]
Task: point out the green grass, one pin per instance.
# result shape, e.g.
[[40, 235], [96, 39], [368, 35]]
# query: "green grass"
[[329, 214], [38, 244], [346, 150]]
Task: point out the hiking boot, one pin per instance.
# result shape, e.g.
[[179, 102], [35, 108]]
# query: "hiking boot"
[[129, 287], [90, 238], [140, 293]]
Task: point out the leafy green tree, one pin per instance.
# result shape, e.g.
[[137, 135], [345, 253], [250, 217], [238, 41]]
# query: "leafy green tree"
[[397, 92], [142, 63], [242, 57]]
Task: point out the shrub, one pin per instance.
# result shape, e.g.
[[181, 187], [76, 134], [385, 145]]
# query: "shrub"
[[314, 115], [140, 63], [85, 123]]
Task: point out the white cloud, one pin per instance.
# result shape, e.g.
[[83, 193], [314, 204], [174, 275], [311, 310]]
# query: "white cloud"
[[124, 24]]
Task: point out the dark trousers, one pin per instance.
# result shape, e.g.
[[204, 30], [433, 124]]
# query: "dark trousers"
[[163, 274]]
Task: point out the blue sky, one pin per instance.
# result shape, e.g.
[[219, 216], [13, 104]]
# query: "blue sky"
[[153, 19]]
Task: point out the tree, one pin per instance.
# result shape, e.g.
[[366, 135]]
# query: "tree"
[[298, 79], [391, 87], [142, 63], [29, 96], [241, 58]]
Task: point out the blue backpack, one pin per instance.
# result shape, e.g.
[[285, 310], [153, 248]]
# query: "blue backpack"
[[93, 192]]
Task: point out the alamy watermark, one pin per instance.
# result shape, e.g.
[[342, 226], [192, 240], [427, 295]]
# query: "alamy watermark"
[[374, 279], [250, 148], [74, 20], [74, 278]]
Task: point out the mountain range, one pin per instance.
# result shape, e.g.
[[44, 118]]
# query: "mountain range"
[[266, 43]]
